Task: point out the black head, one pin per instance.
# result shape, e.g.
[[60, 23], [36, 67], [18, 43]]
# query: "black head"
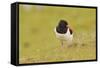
[[62, 27], [63, 23]]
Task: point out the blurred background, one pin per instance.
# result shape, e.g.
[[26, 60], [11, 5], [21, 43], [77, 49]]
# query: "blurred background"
[[37, 38]]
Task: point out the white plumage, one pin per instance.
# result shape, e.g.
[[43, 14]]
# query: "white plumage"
[[66, 38]]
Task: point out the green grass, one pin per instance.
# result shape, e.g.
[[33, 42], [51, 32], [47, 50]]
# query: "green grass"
[[37, 38]]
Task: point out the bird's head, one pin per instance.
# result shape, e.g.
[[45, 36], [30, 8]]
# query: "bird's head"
[[63, 23]]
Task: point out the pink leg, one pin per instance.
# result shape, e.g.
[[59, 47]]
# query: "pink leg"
[[62, 42]]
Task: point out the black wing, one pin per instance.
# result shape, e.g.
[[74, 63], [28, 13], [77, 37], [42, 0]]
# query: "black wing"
[[71, 32]]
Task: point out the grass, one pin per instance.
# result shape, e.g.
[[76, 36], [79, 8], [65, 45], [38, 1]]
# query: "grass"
[[37, 38]]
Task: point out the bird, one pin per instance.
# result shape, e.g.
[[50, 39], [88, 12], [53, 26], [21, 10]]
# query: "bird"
[[64, 33]]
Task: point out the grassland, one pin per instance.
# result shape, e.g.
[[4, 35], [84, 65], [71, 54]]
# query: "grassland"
[[37, 38]]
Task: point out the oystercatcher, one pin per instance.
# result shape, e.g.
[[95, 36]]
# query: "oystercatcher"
[[64, 33]]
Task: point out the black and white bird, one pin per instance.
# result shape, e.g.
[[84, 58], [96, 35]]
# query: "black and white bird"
[[64, 33]]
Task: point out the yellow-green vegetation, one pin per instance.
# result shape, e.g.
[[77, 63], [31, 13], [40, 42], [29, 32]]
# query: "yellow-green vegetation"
[[37, 40]]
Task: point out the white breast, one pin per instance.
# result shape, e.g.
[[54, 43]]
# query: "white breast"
[[67, 36]]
